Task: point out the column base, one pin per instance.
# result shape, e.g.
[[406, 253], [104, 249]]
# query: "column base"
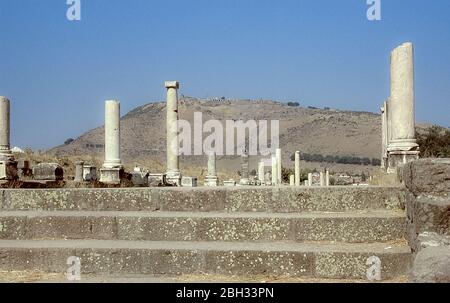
[[173, 178], [8, 170], [111, 175], [211, 181], [398, 159], [403, 145]]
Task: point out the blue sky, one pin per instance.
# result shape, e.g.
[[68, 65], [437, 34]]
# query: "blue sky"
[[58, 73]]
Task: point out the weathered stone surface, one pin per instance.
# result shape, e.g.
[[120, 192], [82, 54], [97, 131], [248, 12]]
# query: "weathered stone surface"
[[48, 172], [156, 180], [354, 227], [139, 179], [432, 265], [428, 176], [142, 257], [254, 199], [430, 214], [78, 199]]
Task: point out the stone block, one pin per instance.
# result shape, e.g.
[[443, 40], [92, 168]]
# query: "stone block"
[[139, 179], [189, 182], [428, 176], [156, 180], [229, 183], [432, 265], [111, 175], [48, 172], [431, 214]]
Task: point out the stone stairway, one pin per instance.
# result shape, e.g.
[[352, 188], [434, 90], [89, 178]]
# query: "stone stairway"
[[317, 233]]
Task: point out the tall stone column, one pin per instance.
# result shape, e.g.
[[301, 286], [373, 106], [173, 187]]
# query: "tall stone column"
[[173, 162], [403, 145], [8, 167], [310, 179], [327, 178], [322, 179], [274, 171], [297, 168], [212, 179], [5, 147], [279, 168], [112, 167]]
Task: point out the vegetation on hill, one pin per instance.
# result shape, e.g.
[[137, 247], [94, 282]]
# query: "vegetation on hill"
[[338, 159], [434, 143]]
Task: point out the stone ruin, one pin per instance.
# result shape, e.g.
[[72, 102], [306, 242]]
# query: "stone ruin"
[[245, 228]]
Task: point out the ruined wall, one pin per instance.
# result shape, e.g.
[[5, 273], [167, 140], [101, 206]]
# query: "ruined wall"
[[428, 209]]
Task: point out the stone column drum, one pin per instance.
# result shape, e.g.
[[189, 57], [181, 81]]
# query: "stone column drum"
[[8, 167], [403, 145], [173, 174], [212, 179], [112, 168], [297, 168]]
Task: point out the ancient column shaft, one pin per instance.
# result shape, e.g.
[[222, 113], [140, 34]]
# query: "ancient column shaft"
[[261, 172], [279, 168], [297, 168], [274, 171], [327, 178], [212, 164], [112, 135], [173, 170], [401, 107], [5, 145]]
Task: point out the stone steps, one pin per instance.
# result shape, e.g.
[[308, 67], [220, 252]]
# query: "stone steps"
[[311, 233], [229, 199], [313, 260], [351, 226]]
